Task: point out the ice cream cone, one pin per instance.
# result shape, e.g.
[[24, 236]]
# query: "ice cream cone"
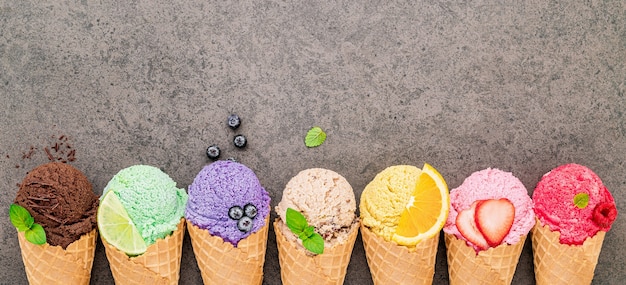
[[222, 263], [46, 264], [557, 263], [160, 264], [390, 263], [299, 268], [495, 265]]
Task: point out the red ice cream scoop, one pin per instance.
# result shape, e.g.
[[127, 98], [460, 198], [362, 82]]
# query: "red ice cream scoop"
[[572, 200]]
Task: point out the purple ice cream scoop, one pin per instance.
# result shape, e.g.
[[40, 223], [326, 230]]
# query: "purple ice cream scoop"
[[227, 199]]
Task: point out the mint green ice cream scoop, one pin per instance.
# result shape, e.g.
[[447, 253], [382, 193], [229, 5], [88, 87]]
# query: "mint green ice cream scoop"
[[151, 199]]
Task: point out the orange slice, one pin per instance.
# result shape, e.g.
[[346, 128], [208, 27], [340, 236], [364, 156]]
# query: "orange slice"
[[426, 211]]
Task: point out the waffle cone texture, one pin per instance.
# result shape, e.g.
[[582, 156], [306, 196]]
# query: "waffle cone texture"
[[296, 267], [160, 264], [391, 263], [46, 264], [557, 263], [222, 263], [495, 265]]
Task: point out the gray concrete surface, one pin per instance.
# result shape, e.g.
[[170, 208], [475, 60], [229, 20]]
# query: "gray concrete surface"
[[522, 86]]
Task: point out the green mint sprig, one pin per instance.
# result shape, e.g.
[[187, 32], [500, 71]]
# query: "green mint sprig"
[[24, 222], [581, 200], [314, 137], [311, 240]]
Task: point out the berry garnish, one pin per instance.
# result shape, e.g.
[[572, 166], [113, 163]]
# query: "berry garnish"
[[250, 210], [604, 214], [245, 224], [494, 219], [213, 152], [240, 141], [466, 223], [234, 121], [487, 222], [235, 212]]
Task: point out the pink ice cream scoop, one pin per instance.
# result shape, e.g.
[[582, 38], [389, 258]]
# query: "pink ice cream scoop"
[[572, 200], [483, 188]]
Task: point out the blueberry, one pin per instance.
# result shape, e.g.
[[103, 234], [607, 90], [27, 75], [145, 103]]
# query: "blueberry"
[[235, 212], [244, 224], [250, 210], [234, 121], [213, 152], [240, 141]]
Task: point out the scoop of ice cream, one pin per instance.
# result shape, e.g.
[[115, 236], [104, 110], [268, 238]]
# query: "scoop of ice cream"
[[223, 197], [326, 200], [386, 196], [151, 198], [492, 184], [61, 200], [555, 206]]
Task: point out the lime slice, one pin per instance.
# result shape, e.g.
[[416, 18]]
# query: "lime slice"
[[117, 228]]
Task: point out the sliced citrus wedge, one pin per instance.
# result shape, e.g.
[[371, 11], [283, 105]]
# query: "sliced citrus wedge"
[[117, 228], [426, 211]]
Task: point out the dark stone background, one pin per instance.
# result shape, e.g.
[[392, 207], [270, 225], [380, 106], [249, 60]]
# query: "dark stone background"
[[522, 86]]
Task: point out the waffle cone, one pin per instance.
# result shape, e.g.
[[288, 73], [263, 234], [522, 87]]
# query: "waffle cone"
[[46, 264], [160, 264], [391, 263], [222, 263], [557, 263], [299, 268], [495, 265]]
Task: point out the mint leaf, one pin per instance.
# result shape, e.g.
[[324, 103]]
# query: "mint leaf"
[[581, 200], [24, 222], [35, 234], [296, 222], [315, 137], [303, 236], [308, 231], [315, 243], [20, 217]]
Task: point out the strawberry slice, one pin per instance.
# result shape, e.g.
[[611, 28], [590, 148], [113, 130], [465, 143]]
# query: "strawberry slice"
[[494, 219], [466, 223]]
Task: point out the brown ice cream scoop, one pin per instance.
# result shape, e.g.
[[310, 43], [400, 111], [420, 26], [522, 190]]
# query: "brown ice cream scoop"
[[61, 199]]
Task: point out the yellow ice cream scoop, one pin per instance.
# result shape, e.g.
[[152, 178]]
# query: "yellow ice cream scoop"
[[405, 204]]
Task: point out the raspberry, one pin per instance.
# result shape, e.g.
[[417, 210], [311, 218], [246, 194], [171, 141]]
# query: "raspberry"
[[604, 214]]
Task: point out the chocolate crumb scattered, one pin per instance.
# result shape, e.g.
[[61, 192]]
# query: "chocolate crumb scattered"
[[71, 155], [50, 157], [59, 149], [27, 155]]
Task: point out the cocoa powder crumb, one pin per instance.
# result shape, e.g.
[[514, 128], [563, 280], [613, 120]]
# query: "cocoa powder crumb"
[[50, 157]]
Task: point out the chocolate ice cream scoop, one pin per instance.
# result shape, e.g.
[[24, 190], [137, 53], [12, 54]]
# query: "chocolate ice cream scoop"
[[61, 199]]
